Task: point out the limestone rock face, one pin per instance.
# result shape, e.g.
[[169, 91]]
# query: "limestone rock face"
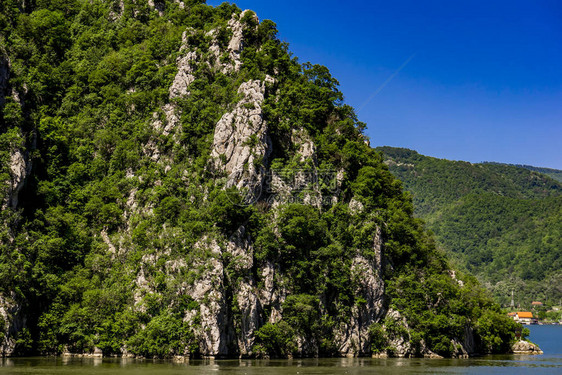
[[240, 250], [307, 148], [185, 76], [236, 44], [186, 64], [19, 166], [353, 337], [241, 144], [401, 347], [19, 169], [400, 344], [11, 322], [221, 333], [208, 291]]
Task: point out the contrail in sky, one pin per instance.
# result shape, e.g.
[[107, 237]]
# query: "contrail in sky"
[[379, 89]]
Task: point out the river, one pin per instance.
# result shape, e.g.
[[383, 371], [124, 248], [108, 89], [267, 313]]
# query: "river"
[[549, 339]]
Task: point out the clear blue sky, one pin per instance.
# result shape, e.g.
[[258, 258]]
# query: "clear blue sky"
[[484, 82]]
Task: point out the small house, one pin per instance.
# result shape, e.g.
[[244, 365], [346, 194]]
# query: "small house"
[[525, 317]]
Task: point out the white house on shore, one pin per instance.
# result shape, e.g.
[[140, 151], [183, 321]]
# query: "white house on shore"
[[525, 317]]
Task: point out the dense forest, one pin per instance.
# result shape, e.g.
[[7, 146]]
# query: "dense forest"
[[175, 182], [502, 222]]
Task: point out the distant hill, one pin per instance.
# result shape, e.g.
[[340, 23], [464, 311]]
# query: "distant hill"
[[501, 222], [553, 173]]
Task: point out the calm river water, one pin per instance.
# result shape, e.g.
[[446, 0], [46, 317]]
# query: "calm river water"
[[548, 337]]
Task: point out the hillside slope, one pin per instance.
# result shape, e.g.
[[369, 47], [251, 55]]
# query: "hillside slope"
[[176, 184], [502, 222], [555, 174]]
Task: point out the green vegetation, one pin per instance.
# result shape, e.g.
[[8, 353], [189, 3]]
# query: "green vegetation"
[[110, 237], [501, 222], [555, 174]]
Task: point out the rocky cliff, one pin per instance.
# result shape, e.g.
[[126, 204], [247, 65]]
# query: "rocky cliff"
[[14, 169], [196, 191]]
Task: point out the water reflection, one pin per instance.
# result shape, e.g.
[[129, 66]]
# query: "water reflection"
[[359, 366]]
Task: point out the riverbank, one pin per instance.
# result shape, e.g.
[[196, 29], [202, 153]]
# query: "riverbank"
[[546, 336]]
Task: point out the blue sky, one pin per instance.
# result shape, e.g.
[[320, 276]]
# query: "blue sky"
[[482, 79]]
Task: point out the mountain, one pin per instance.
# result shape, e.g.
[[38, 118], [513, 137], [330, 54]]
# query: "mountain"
[[176, 183], [501, 222]]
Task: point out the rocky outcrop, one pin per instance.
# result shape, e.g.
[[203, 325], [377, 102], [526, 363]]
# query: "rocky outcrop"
[[353, 339], [397, 331], [247, 295], [19, 169], [230, 310], [398, 340], [525, 347], [11, 322], [18, 164], [236, 44], [187, 64], [306, 146], [241, 144], [208, 291]]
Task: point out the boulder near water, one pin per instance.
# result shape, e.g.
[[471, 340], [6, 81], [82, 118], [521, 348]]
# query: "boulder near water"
[[526, 347]]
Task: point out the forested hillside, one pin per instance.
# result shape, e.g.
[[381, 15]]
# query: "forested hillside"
[[502, 222], [555, 174], [176, 183]]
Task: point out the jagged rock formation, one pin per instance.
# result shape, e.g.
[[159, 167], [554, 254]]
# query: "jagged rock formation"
[[187, 64], [241, 144]]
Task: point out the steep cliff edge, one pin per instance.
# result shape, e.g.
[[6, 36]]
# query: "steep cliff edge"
[[196, 191]]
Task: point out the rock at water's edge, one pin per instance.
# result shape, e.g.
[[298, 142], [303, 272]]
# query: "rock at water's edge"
[[525, 347]]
